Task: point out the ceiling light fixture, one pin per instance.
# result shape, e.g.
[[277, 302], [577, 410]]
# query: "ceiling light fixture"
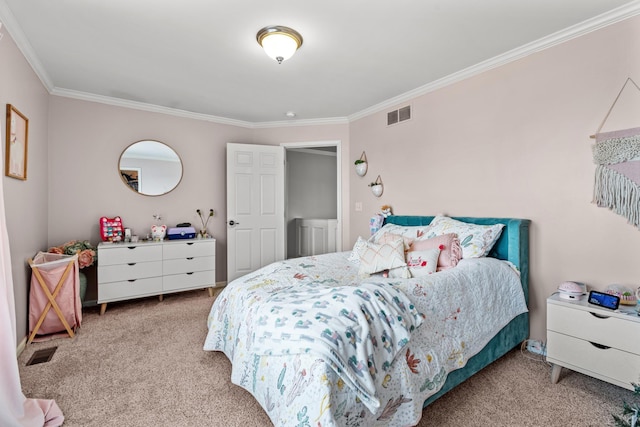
[[280, 43]]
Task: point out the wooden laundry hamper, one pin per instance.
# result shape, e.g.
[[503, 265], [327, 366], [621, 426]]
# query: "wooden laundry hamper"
[[55, 284]]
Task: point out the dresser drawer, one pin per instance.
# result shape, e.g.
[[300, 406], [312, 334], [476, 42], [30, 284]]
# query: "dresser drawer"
[[188, 265], [178, 250], [115, 291], [134, 270], [614, 365], [113, 255], [609, 331], [199, 279]]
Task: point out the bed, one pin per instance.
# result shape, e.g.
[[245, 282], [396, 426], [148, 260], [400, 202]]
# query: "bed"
[[404, 342]]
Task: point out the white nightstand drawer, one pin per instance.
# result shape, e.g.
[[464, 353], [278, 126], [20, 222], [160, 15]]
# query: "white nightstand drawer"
[[605, 330], [121, 254], [188, 265], [134, 270], [189, 248], [116, 291], [610, 364], [200, 279]]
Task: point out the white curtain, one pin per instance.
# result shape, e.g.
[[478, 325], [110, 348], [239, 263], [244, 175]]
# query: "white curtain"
[[15, 409]]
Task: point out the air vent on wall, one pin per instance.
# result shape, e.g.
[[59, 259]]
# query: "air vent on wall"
[[400, 115]]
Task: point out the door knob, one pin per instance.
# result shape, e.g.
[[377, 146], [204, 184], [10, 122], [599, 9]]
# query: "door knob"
[[232, 223]]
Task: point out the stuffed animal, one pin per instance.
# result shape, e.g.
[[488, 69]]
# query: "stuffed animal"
[[158, 232], [386, 211]]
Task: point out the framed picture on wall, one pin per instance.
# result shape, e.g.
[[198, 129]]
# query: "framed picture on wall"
[[17, 138]]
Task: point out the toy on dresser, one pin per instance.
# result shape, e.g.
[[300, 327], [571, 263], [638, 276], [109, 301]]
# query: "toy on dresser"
[[111, 229], [626, 295], [158, 232]]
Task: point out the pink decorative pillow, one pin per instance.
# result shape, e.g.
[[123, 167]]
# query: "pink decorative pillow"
[[449, 245]]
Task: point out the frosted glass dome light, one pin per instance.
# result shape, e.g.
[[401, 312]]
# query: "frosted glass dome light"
[[279, 43]]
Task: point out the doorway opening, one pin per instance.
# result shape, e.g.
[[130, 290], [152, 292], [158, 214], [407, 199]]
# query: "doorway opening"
[[313, 197]]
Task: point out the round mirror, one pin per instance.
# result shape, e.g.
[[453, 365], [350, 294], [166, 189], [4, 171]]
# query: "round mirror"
[[150, 168]]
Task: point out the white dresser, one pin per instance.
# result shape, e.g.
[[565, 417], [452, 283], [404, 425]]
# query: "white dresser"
[[595, 341], [135, 270]]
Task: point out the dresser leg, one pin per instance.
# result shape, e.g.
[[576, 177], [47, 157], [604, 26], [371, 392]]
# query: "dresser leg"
[[103, 308], [212, 291], [160, 297], [555, 373]]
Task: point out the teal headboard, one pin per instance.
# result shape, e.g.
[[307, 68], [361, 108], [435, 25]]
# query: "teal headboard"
[[513, 244]]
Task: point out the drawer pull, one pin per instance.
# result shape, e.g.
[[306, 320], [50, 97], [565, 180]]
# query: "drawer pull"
[[600, 346], [190, 273], [190, 258], [189, 243], [132, 280], [131, 247], [132, 263], [599, 316]]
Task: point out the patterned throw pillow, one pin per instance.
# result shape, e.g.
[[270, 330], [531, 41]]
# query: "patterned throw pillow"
[[388, 237], [354, 256], [379, 257], [476, 240], [422, 263], [449, 245], [410, 231]]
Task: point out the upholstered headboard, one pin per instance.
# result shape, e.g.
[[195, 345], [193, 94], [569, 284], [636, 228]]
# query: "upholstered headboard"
[[512, 246]]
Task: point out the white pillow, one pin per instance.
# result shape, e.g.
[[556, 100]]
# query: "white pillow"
[[410, 231], [475, 240], [379, 257], [422, 263], [354, 256]]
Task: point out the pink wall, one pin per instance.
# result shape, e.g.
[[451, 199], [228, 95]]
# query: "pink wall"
[[25, 201], [514, 142], [86, 140]]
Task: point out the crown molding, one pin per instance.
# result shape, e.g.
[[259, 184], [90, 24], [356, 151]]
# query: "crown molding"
[[136, 105], [12, 26], [616, 15], [308, 122]]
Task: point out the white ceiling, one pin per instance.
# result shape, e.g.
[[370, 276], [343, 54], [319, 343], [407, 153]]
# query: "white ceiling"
[[200, 58]]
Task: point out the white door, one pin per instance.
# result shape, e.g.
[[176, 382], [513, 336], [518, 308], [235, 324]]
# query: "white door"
[[255, 207]]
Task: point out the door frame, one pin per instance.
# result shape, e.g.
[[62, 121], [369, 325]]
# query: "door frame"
[[312, 144]]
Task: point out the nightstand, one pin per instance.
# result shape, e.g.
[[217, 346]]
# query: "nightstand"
[[601, 343]]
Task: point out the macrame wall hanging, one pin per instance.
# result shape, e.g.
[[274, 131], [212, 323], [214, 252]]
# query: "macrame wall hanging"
[[617, 180]]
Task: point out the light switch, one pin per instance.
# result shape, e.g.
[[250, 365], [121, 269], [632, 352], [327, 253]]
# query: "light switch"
[[358, 206]]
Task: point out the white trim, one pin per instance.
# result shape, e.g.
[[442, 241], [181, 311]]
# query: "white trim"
[[85, 96], [338, 145], [593, 24], [21, 346], [14, 29], [313, 151]]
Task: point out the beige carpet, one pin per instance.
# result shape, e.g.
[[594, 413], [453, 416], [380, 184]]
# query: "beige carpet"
[[142, 364]]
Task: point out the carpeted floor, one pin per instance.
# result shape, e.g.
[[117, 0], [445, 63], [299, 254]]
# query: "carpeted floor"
[[142, 364]]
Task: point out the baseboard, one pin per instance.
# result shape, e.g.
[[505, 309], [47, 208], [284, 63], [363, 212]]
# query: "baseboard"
[[21, 346], [221, 284]]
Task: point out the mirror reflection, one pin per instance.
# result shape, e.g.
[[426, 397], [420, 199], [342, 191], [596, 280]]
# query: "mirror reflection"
[[150, 167]]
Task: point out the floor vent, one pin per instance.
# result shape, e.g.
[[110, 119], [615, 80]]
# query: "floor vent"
[[42, 356], [400, 115]]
